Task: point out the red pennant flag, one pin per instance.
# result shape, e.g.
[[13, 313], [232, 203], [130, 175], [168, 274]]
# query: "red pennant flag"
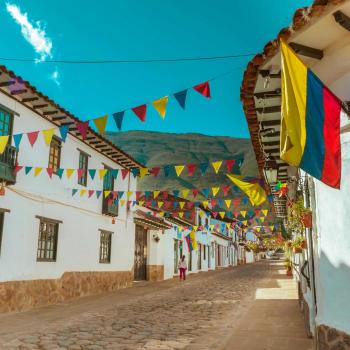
[[215, 214], [140, 112], [18, 168], [229, 164], [32, 137], [236, 213], [191, 169], [195, 191], [236, 202], [115, 194], [80, 173], [110, 202], [213, 203], [203, 89], [138, 195], [125, 172], [165, 194], [257, 212], [190, 205], [193, 215], [90, 193], [50, 172], [83, 128], [226, 189], [155, 171]]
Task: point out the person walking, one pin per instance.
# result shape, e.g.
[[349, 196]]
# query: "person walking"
[[182, 266]]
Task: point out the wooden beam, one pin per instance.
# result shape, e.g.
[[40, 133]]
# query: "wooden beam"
[[49, 112], [90, 138], [95, 142], [342, 19], [40, 106], [271, 143], [18, 92], [265, 73], [307, 51], [268, 94], [105, 149], [266, 123], [266, 110], [7, 83], [67, 123], [62, 117], [30, 99], [272, 150]]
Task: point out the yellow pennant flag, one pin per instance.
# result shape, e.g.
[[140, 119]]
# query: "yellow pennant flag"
[[161, 213], [101, 124], [106, 193], [47, 134], [205, 204], [156, 194], [262, 219], [129, 194], [193, 240], [222, 214], [160, 105], [243, 213], [69, 172], [37, 171], [228, 203], [3, 143], [122, 202], [195, 228], [82, 192], [228, 225], [182, 204], [179, 169], [102, 173], [211, 227], [255, 192], [181, 214], [160, 204], [215, 190], [245, 222], [217, 166], [272, 227], [185, 193], [141, 203], [201, 214], [143, 172], [264, 211], [258, 229]]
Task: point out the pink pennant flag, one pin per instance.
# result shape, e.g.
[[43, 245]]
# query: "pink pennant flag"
[[32, 137], [83, 128], [229, 164], [140, 112], [18, 168], [203, 89], [215, 214], [155, 171], [80, 173], [90, 193], [226, 189], [49, 172], [236, 202], [236, 213], [125, 173]]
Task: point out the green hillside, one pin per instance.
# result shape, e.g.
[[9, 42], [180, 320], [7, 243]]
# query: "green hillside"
[[158, 149]]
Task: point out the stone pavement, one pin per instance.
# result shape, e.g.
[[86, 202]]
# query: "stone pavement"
[[214, 310]]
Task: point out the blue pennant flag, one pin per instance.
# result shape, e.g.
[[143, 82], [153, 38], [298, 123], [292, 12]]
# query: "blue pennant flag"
[[98, 194], [175, 204], [114, 173], [176, 193], [74, 191], [147, 193], [59, 172], [203, 168], [167, 169], [154, 203], [270, 198], [17, 139], [118, 118], [205, 192], [197, 204], [92, 173], [181, 98], [135, 172], [64, 131], [120, 194], [245, 200], [229, 215], [187, 214], [221, 202], [27, 169]]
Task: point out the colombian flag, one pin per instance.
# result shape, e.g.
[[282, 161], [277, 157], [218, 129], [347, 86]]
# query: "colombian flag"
[[310, 124]]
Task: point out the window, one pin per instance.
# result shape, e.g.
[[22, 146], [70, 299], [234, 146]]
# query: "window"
[[83, 164], [47, 242], [6, 120], [108, 180], [55, 154], [2, 216], [105, 246]]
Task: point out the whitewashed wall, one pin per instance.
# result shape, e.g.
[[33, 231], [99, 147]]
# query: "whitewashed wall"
[[78, 237]]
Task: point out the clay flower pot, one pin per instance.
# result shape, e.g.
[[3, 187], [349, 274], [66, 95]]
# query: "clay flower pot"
[[298, 250], [289, 272], [304, 244], [306, 220]]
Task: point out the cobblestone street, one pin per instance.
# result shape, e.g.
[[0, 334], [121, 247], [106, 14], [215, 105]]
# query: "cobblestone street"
[[201, 313]]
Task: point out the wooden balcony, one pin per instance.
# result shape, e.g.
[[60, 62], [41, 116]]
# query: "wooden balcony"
[[8, 161], [109, 207]]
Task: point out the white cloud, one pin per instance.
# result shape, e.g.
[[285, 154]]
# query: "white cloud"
[[55, 76], [34, 34]]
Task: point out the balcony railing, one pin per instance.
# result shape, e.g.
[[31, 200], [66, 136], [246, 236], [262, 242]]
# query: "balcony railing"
[[109, 207], [8, 160]]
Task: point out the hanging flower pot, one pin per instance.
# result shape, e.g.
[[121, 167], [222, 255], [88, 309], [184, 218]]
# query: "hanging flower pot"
[[289, 272], [303, 244], [306, 219], [298, 250]]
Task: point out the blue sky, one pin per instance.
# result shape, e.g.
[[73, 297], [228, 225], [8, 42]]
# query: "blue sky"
[[142, 29]]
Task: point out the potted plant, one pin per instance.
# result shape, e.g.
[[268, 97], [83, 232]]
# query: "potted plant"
[[288, 265], [306, 218], [298, 244]]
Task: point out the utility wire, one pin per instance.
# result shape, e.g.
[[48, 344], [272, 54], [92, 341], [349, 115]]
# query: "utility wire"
[[183, 59]]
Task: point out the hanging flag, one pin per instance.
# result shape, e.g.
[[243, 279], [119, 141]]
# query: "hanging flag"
[[191, 169], [32, 137], [18, 168], [118, 119], [3, 143], [17, 140], [64, 132], [114, 173], [229, 164], [69, 173], [49, 172], [203, 167], [203, 89], [60, 172], [228, 203], [125, 172], [140, 112], [156, 194], [106, 193], [181, 98], [166, 169], [80, 173], [189, 245], [205, 204], [155, 171], [160, 106], [82, 192], [179, 169], [83, 128], [74, 191], [222, 214], [226, 189], [90, 193], [185, 193], [243, 213], [193, 240], [310, 124], [101, 123], [37, 171], [205, 192], [195, 192], [264, 211], [47, 134], [182, 204], [98, 194], [216, 166], [92, 173], [215, 190], [143, 172], [102, 173], [255, 193]]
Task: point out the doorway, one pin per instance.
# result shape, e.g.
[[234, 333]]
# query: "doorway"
[[140, 253]]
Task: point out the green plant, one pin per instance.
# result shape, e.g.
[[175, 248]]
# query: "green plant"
[[296, 215]]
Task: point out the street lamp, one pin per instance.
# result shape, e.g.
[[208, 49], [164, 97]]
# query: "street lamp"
[[270, 170]]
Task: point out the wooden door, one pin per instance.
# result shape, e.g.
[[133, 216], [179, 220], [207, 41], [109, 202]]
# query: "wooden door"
[[176, 255], [199, 257], [140, 253]]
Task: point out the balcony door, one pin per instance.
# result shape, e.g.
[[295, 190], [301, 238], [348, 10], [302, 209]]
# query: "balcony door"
[[6, 123]]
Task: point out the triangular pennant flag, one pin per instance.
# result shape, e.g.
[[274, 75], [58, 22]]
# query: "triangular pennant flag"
[[215, 190], [272, 227], [160, 105], [181, 214], [156, 194], [82, 192], [114, 173], [203, 167], [143, 172], [166, 169], [176, 193], [32, 137], [90, 193], [262, 219], [205, 204], [264, 211], [236, 213], [120, 194], [49, 172], [18, 168], [135, 172], [122, 202], [17, 140], [226, 189], [101, 123], [102, 173], [98, 194], [229, 164], [182, 204], [179, 169], [3, 143], [185, 193], [228, 203], [141, 203], [191, 169], [118, 118], [245, 222], [160, 204], [64, 132], [140, 112], [125, 172], [195, 192], [216, 166], [37, 171], [155, 171], [181, 98], [47, 134], [243, 213], [205, 192], [203, 89], [222, 214], [60, 172], [83, 128], [69, 173], [211, 227], [213, 203], [236, 202], [74, 191], [80, 173], [92, 173], [106, 193]]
